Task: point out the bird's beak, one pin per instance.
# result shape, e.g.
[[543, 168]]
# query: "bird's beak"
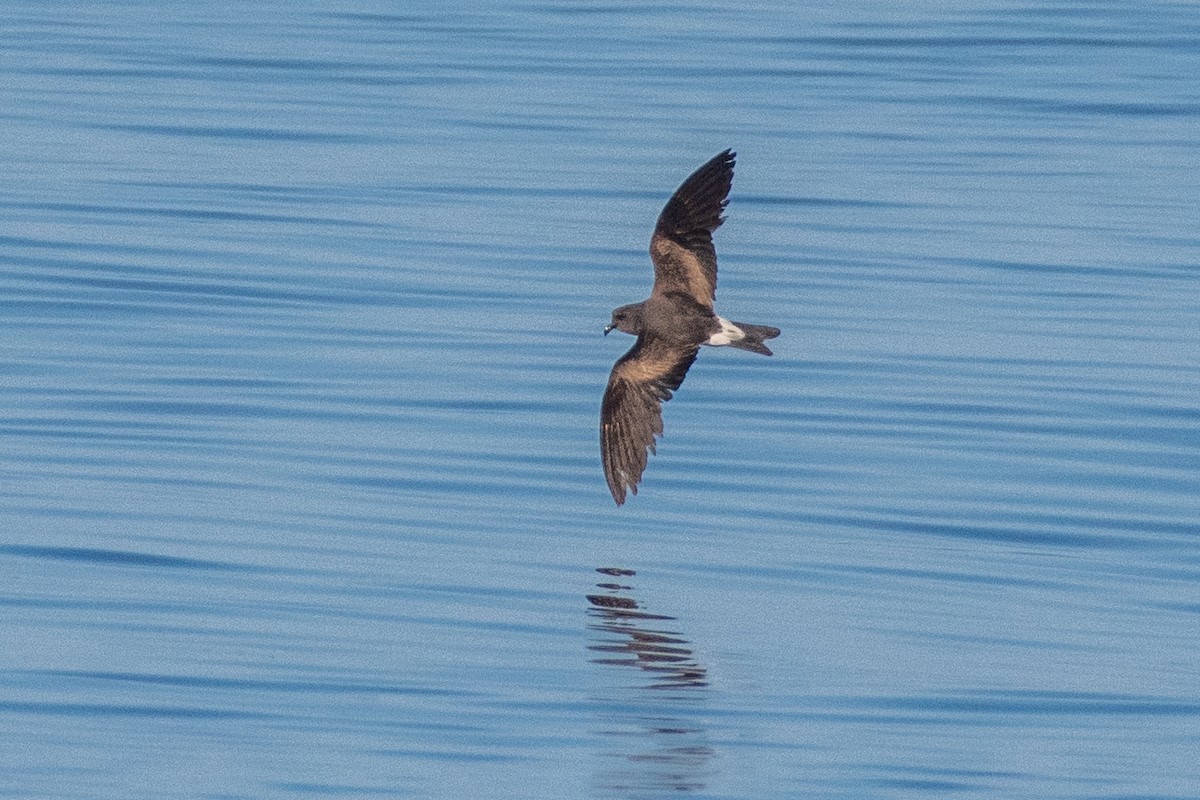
[[608, 329]]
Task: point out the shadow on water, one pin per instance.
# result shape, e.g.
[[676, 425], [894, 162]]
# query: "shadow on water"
[[659, 721]]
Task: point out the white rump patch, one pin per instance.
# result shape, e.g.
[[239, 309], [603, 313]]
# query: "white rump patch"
[[728, 334]]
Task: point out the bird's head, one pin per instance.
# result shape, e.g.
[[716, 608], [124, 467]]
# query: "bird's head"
[[627, 319]]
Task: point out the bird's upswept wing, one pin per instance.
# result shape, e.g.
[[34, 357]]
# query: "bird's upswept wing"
[[682, 246], [631, 413]]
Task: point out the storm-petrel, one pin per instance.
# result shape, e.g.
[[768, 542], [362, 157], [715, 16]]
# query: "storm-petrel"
[[670, 325]]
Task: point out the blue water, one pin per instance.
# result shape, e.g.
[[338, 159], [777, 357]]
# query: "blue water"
[[300, 369]]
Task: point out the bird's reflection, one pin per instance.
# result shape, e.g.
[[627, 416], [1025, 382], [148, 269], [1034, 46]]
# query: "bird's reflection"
[[663, 738], [625, 636]]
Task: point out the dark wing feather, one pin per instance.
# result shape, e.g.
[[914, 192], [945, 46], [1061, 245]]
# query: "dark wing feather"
[[631, 414], [682, 245]]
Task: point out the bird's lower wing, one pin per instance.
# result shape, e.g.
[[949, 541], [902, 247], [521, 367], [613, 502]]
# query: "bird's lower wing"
[[631, 414]]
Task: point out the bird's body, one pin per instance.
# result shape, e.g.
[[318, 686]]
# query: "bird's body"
[[671, 325], [674, 317]]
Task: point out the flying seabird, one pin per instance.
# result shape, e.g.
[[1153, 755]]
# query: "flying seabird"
[[670, 325]]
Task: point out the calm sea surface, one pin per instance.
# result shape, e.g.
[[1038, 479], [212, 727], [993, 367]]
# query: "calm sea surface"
[[300, 369]]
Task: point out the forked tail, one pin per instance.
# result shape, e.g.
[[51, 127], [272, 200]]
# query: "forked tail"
[[755, 336]]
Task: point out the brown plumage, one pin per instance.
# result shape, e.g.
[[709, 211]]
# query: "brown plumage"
[[670, 325]]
